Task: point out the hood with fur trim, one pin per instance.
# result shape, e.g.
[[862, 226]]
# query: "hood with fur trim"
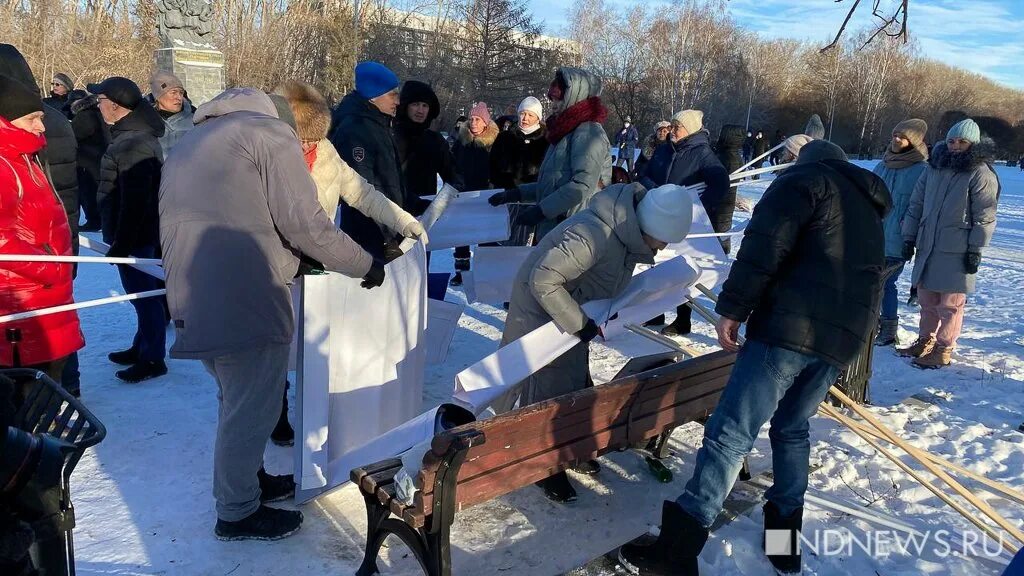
[[484, 140], [983, 152], [312, 114]]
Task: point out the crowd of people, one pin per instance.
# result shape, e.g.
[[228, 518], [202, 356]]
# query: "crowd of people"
[[243, 193]]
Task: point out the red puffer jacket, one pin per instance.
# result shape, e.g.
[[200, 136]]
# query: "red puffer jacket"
[[32, 221]]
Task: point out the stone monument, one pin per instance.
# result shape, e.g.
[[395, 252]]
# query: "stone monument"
[[185, 29]]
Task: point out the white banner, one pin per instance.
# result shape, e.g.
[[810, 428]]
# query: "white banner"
[[494, 272], [360, 366], [468, 219], [442, 320]]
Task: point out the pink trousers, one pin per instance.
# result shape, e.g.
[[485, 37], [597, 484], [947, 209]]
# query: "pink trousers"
[[942, 315]]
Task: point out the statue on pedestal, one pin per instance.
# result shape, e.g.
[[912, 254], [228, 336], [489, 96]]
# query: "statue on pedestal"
[[185, 23]]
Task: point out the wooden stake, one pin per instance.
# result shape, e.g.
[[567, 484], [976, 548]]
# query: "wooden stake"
[[852, 425], [931, 467]]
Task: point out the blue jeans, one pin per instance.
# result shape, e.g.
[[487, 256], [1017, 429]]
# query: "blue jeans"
[[766, 382], [890, 297], [151, 336]]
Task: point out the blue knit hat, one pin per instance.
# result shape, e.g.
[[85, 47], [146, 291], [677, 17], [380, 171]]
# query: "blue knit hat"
[[374, 79], [966, 129]]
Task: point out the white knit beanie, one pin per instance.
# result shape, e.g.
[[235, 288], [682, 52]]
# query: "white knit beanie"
[[666, 213], [794, 143], [691, 120], [531, 104]]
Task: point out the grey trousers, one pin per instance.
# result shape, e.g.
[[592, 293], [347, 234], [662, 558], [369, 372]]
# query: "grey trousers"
[[250, 386]]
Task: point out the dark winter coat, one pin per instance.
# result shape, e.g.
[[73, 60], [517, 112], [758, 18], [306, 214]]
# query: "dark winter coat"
[[362, 135], [729, 152], [686, 162], [473, 156], [807, 277], [130, 182], [627, 137], [423, 153], [760, 146], [952, 212], [59, 157], [91, 133], [61, 103], [516, 157]]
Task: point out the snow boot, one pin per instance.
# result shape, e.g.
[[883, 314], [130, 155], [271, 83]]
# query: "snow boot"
[[283, 434], [125, 357], [456, 280], [678, 327], [675, 551], [887, 332], [919, 348], [275, 488], [557, 488], [912, 301], [142, 371], [939, 357], [774, 521], [587, 467], [264, 524], [658, 321]]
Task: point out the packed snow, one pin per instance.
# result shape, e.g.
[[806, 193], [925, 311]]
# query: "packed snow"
[[144, 505]]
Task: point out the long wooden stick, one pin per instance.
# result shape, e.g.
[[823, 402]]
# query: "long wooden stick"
[[994, 486], [662, 339], [931, 467], [852, 425]]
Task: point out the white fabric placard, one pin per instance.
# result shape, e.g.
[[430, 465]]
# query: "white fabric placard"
[[468, 219], [442, 319], [361, 365], [494, 272], [480, 384]]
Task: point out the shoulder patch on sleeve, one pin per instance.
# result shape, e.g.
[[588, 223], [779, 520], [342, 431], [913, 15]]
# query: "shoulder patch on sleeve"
[[359, 154]]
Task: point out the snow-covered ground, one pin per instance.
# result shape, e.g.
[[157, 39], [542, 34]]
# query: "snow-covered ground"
[[144, 505]]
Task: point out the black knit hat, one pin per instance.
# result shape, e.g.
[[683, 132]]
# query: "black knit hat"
[[121, 91], [16, 100]]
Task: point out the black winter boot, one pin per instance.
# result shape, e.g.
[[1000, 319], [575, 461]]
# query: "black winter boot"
[[773, 520], [587, 467], [675, 551], [887, 332], [283, 434], [124, 357], [142, 371], [275, 488], [263, 524], [557, 488]]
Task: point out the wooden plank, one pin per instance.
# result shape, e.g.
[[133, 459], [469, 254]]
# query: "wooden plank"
[[372, 482]]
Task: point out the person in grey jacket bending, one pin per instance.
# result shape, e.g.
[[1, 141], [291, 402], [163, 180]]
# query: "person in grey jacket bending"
[[590, 256], [951, 219], [237, 206], [577, 163]]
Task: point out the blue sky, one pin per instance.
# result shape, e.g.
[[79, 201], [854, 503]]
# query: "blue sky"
[[983, 36]]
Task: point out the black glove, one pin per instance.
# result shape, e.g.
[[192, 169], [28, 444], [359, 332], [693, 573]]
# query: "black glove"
[[375, 277], [908, 250], [507, 197], [530, 217], [589, 331], [392, 251], [971, 262]]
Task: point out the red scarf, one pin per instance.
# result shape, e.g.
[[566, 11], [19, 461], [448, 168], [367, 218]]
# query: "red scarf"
[[310, 158], [589, 110]]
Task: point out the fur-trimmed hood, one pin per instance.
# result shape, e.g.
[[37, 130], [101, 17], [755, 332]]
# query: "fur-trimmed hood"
[[484, 140], [983, 152], [312, 114], [89, 101]]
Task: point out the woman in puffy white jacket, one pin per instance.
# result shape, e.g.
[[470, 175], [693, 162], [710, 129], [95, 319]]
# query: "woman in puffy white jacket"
[[335, 182]]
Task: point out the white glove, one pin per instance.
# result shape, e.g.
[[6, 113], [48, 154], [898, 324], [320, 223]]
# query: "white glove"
[[415, 230]]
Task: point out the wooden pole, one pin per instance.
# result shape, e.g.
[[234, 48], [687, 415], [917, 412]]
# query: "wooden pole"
[[973, 519], [993, 486], [931, 467]]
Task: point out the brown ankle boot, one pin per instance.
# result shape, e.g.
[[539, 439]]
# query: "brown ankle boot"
[[919, 348], [939, 357]]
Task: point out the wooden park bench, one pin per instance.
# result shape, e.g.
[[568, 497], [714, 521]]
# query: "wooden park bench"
[[482, 460]]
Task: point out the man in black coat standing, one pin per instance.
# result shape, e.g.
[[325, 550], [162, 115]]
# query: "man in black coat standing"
[[685, 160], [807, 281], [424, 154], [361, 132], [729, 150], [60, 159], [129, 201], [93, 136]]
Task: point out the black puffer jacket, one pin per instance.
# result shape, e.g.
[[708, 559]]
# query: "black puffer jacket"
[[60, 155], [687, 162], [730, 153], [423, 153], [516, 157], [808, 274], [362, 135], [130, 182]]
